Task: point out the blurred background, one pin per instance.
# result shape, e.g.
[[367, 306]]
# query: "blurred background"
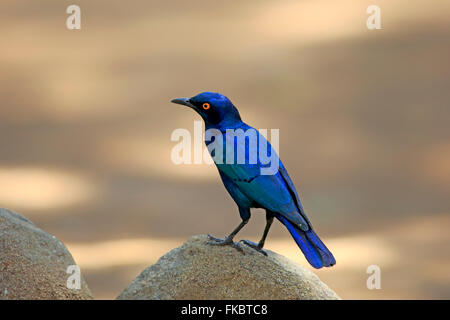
[[85, 126]]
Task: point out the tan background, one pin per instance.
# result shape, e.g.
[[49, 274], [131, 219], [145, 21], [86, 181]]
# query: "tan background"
[[85, 129]]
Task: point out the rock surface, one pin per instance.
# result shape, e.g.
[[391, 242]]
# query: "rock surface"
[[197, 270], [33, 263]]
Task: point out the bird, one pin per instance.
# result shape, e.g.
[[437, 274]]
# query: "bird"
[[248, 187]]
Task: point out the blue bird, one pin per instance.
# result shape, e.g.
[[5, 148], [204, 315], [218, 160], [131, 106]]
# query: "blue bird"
[[247, 182]]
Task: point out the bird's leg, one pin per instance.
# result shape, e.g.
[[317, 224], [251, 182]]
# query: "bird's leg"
[[259, 247], [229, 239]]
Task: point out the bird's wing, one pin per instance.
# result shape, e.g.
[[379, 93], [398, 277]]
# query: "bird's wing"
[[290, 185], [273, 192]]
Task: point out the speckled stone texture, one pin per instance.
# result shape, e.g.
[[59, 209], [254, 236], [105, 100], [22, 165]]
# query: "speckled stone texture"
[[200, 271], [33, 263]]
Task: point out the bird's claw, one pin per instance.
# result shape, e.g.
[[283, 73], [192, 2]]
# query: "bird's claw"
[[224, 242], [218, 240], [255, 246]]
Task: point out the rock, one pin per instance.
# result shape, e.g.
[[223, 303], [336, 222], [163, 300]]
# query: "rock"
[[200, 271], [33, 263]]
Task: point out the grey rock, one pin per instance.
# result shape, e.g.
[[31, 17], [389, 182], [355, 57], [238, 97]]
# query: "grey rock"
[[33, 263], [200, 271]]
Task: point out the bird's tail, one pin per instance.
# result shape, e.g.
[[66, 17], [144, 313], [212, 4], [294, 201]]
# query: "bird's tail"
[[312, 247]]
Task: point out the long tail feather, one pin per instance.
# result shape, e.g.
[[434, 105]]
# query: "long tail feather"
[[312, 247]]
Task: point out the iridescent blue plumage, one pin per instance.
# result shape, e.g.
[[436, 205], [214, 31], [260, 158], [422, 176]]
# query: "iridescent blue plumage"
[[244, 180]]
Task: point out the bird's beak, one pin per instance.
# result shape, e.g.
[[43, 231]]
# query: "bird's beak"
[[183, 101]]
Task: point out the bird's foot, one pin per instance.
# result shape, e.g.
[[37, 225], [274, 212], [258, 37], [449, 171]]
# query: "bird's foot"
[[217, 240], [255, 246], [224, 242]]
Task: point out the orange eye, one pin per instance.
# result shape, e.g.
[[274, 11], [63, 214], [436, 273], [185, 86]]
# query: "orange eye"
[[206, 106]]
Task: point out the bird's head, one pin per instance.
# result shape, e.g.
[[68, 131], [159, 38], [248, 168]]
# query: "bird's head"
[[214, 108]]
